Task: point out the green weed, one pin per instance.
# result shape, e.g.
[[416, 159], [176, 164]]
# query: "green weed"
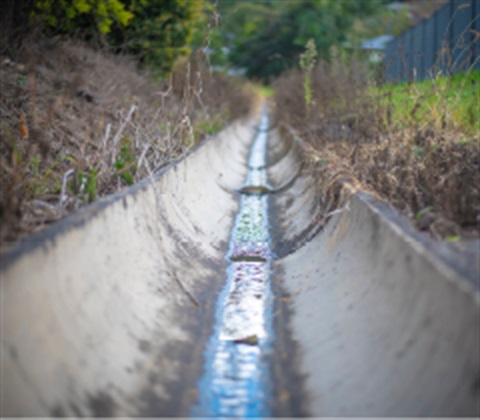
[[307, 62], [126, 161], [209, 126]]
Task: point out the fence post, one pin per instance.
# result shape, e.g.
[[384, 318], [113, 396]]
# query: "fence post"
[[424, 49], [435, 41], [450, 37], [475, 26]]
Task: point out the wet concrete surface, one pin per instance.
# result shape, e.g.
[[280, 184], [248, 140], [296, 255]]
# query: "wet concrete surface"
[[236, 380]]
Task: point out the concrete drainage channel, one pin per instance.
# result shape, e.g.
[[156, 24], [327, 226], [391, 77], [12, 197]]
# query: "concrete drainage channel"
[[236, 382], [213, 290]]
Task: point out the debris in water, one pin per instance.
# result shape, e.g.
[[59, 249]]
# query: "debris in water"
[[251, 340]]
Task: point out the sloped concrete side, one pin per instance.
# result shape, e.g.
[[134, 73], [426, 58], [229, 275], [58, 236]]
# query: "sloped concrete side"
[[381, 325], [108, 312]]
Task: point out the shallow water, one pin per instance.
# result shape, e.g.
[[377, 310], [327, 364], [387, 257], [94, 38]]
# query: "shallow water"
[[236, 380]]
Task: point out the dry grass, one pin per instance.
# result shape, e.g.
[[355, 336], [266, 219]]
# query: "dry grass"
[[429, 171], [77, 124]]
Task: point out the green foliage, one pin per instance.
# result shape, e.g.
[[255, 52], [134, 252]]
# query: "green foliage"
[[262, 90], [383, 21], [161, 31], [307, 58], [85, 184], [453, 98], [91, 185], [158, 32], [266, 37], [68, 16], [307, 62], [452, 238], [422, 213], [126, 161], [210, 125]]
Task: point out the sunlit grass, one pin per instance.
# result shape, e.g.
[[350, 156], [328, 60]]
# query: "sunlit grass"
[[452, 100], [263, 90], [415, 145]]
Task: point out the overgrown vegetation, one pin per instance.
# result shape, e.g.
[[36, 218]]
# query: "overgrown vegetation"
[[415, 145], [439, 101], [77, 124], [78, 120]]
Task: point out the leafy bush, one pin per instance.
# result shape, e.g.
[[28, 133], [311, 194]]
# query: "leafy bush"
[[68, 16], [158, 33], [265, 38], [161, 31]]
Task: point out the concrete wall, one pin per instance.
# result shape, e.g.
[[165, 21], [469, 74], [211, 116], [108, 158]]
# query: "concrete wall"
[[108, 311], [382, 320]]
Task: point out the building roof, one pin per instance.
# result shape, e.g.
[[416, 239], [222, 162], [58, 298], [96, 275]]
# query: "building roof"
[[378, 43]]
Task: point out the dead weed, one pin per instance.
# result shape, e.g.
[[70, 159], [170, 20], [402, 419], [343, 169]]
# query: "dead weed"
[[424, 171], [77, 124]]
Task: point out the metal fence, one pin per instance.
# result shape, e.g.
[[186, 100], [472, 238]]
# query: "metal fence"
[[448, 42]]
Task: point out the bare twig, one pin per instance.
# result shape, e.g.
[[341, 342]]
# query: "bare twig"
[[106, 135], [142, 156], [63, 196]]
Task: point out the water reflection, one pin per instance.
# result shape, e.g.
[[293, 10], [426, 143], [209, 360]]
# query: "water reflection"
[[236, 382]]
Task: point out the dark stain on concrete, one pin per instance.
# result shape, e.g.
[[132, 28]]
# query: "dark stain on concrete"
[[289, 396], [198, 321], [101, 405], [58, 411], [476, 386], [144, 346], [289, 202], [13, 353], [76, 410], [284, 245], [277, 152]]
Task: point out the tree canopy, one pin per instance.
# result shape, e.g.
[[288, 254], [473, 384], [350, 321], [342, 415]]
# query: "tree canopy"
[[158, 32], [266, 37], [161, 31], [262, 37]]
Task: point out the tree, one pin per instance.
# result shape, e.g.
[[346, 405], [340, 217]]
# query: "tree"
[[158, 32], [161, 31], [272, 41]]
